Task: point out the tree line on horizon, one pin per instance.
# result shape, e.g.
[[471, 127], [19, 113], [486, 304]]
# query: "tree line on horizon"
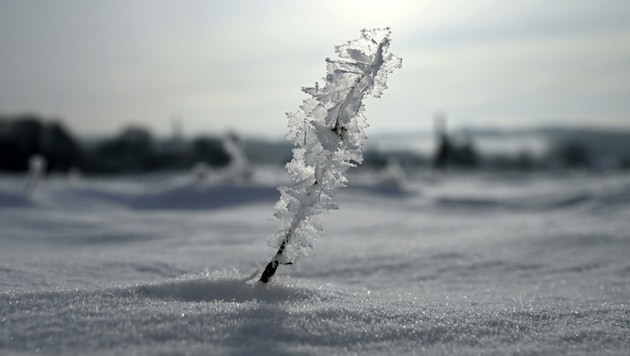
[[135, 150]]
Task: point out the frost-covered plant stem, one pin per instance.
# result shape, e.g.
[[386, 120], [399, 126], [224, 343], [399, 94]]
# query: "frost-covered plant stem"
[[328, 134]]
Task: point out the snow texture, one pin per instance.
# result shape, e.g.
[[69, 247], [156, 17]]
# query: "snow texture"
[[328, 132], [476, 264]]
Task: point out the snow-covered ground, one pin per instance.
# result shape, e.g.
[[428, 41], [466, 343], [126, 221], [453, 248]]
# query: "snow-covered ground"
[[458, 264]]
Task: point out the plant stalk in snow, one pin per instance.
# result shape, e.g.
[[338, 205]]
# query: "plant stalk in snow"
[[328, 134]]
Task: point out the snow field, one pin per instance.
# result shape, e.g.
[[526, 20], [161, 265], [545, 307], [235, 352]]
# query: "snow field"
[[457, 264]]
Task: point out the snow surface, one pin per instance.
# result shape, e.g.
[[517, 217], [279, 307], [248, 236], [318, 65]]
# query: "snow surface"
[[457, 264]]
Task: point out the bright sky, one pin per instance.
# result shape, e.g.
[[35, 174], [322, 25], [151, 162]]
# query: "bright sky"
[[218, 65]]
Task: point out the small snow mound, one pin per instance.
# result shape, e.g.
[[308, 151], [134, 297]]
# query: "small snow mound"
[[229, 286]]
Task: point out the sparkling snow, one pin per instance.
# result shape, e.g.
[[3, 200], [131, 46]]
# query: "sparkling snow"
[[465, 264]]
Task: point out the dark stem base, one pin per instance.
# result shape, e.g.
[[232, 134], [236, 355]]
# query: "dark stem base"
[[269, 271], [272, 266]]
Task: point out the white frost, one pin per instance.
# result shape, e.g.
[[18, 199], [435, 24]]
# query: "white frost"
[[328, 132]]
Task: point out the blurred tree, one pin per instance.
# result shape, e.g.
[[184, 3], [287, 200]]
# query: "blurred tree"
[[209, 150], [25, 136], [524, 160], [9, 150], [574, 154], [444, 147], [63, 153], [452, 151], [465, 155], [130, 151]]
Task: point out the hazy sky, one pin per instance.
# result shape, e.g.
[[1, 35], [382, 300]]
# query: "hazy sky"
[[218, 65]]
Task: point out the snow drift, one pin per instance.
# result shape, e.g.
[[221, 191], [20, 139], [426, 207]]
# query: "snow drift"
[[461, 264]]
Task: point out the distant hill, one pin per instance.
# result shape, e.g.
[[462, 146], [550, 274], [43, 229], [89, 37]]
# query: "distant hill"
[[600, 141], [549, 144]]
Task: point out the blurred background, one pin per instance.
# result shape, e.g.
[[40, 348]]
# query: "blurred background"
[[125, 87]]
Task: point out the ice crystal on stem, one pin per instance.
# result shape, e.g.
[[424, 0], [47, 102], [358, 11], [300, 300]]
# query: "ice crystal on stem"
[[328, 134]]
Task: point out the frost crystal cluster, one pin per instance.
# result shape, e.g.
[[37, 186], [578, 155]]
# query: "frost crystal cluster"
[[328, 134]]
